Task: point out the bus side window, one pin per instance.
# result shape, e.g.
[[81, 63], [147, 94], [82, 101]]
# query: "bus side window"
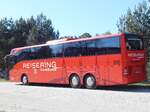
[[33, 53], [56, 50], [83, 48], [43, 52], [23, 55], [113, 45], [100, 49], [108, 45], [72, 49], [90, 47]]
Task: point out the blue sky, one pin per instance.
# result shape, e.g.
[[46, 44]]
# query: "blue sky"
[[71, 17]]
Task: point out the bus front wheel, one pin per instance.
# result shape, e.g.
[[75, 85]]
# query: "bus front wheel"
[[90, 82], [24, 80], [74, 81]]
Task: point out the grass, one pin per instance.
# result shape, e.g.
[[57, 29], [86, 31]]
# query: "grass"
[[146, 84], [3, 80], [148, 71]]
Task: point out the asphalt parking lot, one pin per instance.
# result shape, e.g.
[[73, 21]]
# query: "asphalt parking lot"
[[49, 98]]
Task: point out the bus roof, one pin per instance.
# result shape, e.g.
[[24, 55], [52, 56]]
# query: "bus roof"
[[91, 38]]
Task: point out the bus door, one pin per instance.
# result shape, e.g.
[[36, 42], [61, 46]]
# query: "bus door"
[[10, 61]]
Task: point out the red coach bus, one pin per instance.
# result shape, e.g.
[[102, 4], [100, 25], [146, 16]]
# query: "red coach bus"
[[107, 60]]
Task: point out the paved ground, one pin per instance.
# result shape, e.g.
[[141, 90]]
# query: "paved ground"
[[19, 98]]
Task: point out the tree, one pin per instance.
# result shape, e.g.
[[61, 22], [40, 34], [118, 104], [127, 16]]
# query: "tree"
[[85, 35], [23, 32], [136, 21], [107, 33], [41, 30]]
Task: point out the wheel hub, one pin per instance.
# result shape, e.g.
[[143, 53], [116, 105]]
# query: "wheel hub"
[[74, 81], [25, 80], [90, 81]]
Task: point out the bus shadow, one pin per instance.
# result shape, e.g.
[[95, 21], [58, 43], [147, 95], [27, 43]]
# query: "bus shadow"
[[127, 88], [124, 88], [46, 85]]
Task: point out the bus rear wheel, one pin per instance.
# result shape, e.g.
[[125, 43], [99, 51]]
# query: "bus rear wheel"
[[24, 80], [74, 81], [90, 82]]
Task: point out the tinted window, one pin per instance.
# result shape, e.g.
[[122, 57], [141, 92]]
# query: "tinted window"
[[23, 55], [134, 42], [35, 53], [72, 49], [56, 50], [108, 45], [90, 47], [83, 48], [10, 61], [42, 52]]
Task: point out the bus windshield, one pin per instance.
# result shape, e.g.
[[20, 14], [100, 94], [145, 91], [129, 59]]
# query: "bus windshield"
[[134, 42]]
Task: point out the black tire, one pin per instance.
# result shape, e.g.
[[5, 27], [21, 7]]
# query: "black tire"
[[74, 81], [24, 80], [90, 82]]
